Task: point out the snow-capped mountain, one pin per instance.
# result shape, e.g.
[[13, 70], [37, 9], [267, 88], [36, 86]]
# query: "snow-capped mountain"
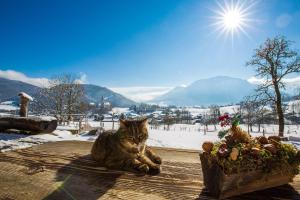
[[94, 93], [219, 90], [9, 90]]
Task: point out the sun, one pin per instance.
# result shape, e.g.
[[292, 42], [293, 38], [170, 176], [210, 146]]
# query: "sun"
[[233, 17]]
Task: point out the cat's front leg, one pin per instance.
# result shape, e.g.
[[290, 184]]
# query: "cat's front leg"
[[129, 147], [152, 156], [153, 168], [135, 164]]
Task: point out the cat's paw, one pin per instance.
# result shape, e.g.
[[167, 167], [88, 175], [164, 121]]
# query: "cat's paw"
[[155, 170], [143, 168], [157, 160]]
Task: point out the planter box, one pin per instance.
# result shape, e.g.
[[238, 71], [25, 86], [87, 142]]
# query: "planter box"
[[222, 186]]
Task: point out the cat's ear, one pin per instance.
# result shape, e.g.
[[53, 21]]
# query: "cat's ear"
[[123, 123]]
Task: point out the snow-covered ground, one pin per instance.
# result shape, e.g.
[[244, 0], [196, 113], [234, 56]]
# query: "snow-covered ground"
[[176, 136], [192, 136], [17, 141], [8, 106], [293, 106]]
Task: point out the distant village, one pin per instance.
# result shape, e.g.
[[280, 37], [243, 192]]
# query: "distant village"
[[168, 115]]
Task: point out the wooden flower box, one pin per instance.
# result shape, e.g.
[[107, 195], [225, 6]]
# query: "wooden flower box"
[[223, 186]]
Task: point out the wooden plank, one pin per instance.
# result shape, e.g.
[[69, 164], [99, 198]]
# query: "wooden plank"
[[64, 170], [33, 124]]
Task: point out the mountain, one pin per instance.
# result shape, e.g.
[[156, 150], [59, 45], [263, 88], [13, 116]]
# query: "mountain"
[[219, 90], [9, 90], [94, 93]]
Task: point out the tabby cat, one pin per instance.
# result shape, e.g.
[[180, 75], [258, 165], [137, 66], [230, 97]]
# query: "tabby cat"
[[126, 149]]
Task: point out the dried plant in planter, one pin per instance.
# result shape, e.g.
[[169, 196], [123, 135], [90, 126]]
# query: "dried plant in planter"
[[239, 163]]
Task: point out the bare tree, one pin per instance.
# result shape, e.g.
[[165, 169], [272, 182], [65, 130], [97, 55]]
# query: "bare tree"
[[214, 114], [273, 61], [51, 98], [73, 94], [63, 96], [253, 109]]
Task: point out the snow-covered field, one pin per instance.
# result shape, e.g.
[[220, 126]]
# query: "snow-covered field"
[[8, 106], [176, 136]]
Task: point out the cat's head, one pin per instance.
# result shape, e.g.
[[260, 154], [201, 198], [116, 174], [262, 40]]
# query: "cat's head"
[[135, 129]]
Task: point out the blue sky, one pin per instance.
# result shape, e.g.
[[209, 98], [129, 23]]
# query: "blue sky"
[[135, 43]]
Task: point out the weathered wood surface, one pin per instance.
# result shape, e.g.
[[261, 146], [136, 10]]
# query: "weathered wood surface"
[[33, 124], [224, 186], [64, 170]]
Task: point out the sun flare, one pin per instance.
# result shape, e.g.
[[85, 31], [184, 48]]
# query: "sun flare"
[[232, 17]]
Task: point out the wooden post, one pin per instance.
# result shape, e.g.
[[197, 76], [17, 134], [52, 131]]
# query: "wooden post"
[[24, 100]]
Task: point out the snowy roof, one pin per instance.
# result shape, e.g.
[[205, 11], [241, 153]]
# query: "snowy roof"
[[27, 96]]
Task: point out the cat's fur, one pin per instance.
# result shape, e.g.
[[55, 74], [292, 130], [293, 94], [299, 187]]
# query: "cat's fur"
[[126, 149]]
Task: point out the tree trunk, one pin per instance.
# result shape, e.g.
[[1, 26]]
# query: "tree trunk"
[[279, 110], [248, 126]]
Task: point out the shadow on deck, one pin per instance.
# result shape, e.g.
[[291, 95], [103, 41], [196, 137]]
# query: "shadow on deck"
[[64, 170]]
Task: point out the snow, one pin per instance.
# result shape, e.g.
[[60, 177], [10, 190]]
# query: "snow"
[[25, 95], [7, 103], [8, 106], [17, 141], [31, 117], [119, 110], [230, 109], [183, 140], [176, 136], [6, 115], [198, 111], [293, 106], [192, 136], [206, 111], [46, 118]]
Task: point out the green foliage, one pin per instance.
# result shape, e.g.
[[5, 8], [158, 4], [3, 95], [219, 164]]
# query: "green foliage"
[[287, 152], [236, 120], [215, 149], [222, 133]]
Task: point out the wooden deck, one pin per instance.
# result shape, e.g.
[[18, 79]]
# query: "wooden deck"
[[64, 170]]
